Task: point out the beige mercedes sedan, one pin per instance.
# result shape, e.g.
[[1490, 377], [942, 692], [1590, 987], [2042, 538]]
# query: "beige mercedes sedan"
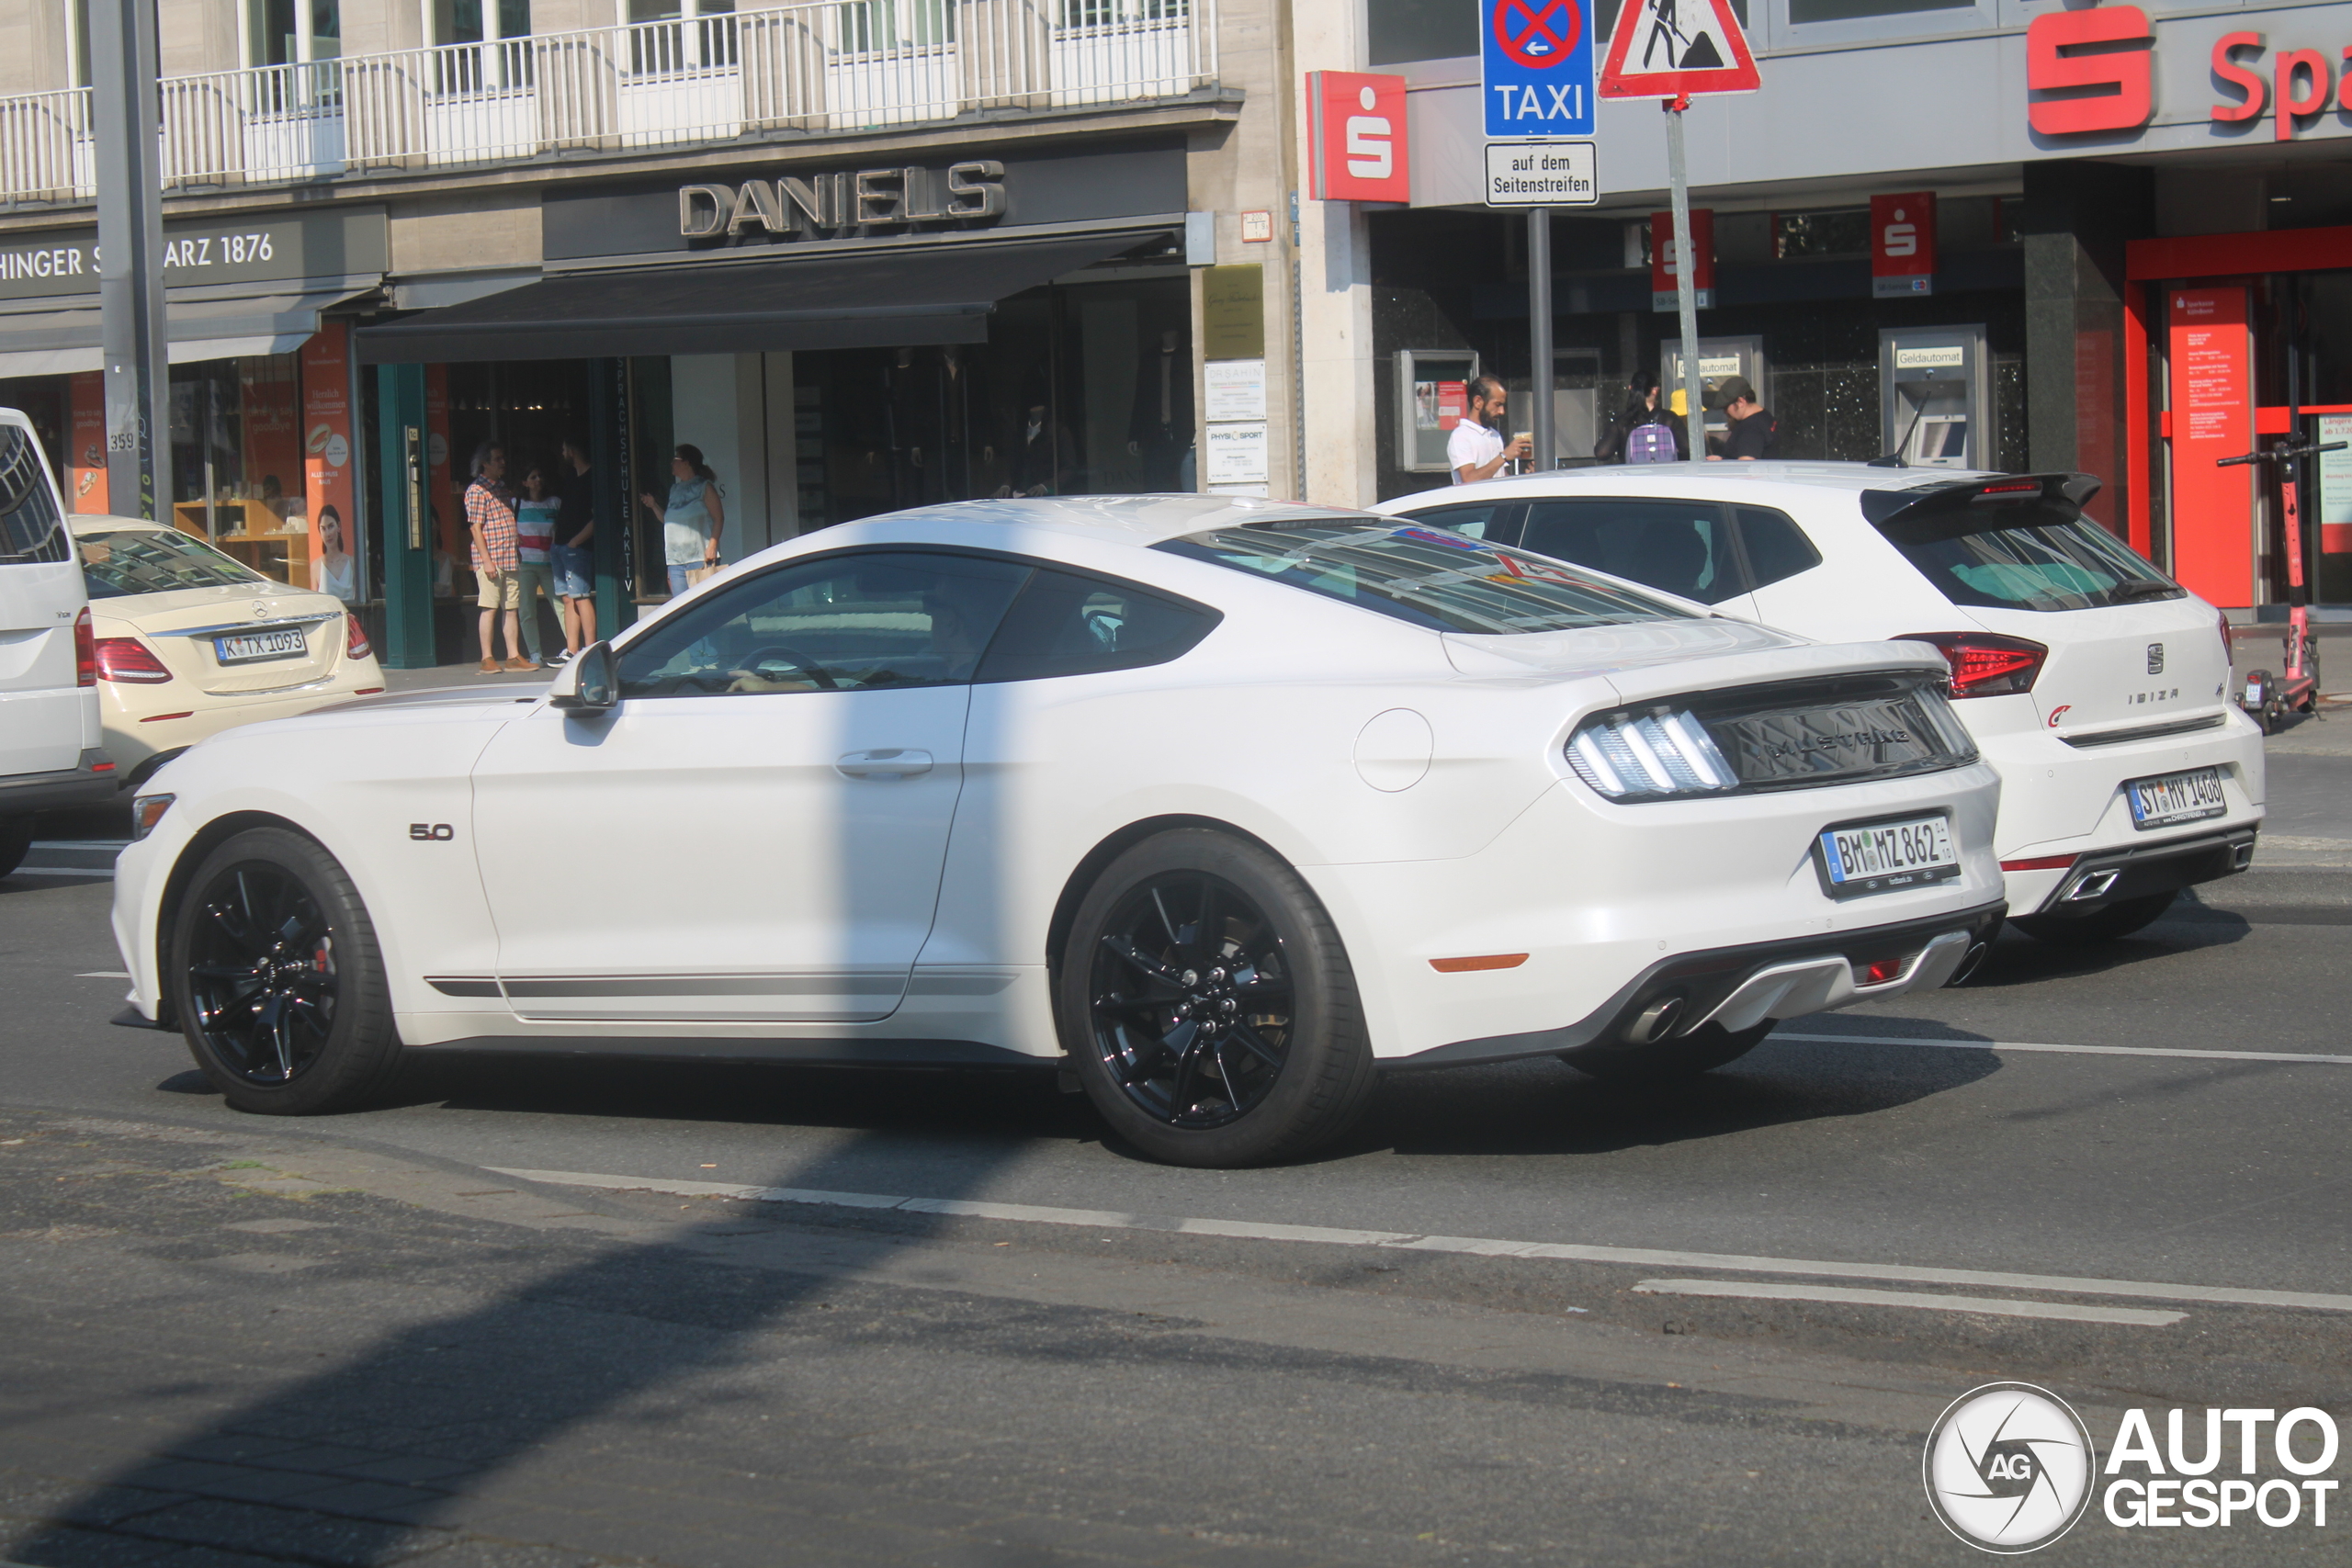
[[191, 642]]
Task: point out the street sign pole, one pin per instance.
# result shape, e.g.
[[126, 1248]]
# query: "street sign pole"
[[1539, 336], [133, 332], [1705, 51], [1686, 280]]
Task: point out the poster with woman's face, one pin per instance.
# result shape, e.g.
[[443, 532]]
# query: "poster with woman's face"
[[326, 460]]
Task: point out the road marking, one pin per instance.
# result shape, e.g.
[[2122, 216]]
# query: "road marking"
[[1651, 1258], [62, 871], [103, 975], [1771, 1291], [2158, 1051]]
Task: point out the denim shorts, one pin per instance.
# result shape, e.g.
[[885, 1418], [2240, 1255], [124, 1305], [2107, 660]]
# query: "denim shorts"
[[574, 572]]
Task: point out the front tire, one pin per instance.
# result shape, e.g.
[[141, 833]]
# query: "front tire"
[[277, 980], [1208, 1008], [2107, 923], [1704, 1049]]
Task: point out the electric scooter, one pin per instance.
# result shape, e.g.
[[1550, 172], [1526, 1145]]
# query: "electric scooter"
[[2270, 698]]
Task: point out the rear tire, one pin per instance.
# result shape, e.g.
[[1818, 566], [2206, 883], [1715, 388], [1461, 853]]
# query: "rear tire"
[[16, 841], [1702, 1050], [2107, 923], [1207, 1007], [277, 980]]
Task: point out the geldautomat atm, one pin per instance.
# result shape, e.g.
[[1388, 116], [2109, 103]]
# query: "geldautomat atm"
[[1935, 393]]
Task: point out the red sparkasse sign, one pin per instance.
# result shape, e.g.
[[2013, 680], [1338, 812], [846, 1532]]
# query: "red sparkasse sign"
[[1702, 249], [2211, 368], [1902, 243], [2126, 100], [1355, 138], [1672, 49]]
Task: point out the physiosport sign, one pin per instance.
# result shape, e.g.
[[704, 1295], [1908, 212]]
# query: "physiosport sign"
[[1672, 49], [1537, 59]]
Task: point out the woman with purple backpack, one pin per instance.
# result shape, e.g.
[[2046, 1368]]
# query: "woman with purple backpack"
[[1646, 431]]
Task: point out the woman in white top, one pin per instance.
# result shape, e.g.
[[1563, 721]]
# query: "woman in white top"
[[692, 518]]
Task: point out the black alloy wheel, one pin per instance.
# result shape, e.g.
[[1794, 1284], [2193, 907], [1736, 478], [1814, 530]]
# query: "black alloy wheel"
[[1193, 1001], [276, 979], [1207, 1007]]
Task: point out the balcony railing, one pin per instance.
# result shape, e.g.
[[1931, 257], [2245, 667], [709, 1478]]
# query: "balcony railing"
[[843, 66]]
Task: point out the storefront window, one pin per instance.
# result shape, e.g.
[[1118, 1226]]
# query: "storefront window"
[[237, 462], [1084, 389]]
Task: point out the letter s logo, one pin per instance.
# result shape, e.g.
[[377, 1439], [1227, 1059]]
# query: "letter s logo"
[[1900, 240], [2130, 99], [1372, 153]]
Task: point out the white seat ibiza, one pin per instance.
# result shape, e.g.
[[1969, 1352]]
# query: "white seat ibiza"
[[2096, 686], [1221, 807]]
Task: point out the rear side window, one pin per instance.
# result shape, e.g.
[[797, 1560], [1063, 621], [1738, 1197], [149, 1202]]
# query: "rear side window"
[[1777, 548], [1425, 576], [1065, 624], [30, 528], [2025, 556], [154, 560], [1680, 546]]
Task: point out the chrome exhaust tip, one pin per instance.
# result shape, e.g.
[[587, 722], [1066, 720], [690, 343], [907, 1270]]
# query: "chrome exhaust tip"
[[1968, 963], [1656, 1020], [2094, 885]]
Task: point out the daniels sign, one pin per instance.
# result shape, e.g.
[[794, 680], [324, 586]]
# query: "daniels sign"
[[2093, 73], [824, 204]]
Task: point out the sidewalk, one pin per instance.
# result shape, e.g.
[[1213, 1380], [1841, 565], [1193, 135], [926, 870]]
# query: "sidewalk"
[[466, 674]]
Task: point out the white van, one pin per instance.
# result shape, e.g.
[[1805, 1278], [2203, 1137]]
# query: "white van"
[[49, 737]]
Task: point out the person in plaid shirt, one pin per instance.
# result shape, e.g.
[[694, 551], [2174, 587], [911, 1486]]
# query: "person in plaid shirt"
[[492, 521]]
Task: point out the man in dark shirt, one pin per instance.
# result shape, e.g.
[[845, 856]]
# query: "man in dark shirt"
[[1752, 429], [575, 570]]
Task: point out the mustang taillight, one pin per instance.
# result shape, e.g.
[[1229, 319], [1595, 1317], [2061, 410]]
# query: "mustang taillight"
[[86, 649], [128, 659], [355, 637], [1985, 664], [1665, 751]]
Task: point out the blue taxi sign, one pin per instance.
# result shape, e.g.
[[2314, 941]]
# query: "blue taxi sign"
[[1537, 58]]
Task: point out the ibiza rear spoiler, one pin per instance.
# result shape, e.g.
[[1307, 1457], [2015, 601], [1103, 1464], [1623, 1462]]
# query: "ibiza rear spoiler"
[[1919, 502]]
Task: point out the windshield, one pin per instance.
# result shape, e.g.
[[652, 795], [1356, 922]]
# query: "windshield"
[[154, 560], [1431, 578], [2030, 556]]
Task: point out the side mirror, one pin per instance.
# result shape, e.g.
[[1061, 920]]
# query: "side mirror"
[[586, 684]]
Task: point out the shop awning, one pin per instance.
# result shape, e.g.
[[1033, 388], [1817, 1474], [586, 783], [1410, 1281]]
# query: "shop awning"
[[934, 293], [57, 343]]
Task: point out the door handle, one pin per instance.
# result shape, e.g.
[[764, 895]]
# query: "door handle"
[[884, 764]]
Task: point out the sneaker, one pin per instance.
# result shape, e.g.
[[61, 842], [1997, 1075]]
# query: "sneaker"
[[556, 660], [490, 666], [520, 666]]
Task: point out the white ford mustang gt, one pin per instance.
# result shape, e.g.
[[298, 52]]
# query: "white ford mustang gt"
[[1221, 807]]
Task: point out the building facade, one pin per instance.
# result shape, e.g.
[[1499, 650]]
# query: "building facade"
[[862, 253], [2125, 238], [865, 254]]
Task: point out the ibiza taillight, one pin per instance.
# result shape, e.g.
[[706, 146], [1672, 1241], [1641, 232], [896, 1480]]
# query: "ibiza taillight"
[[127, 659], [1985, 664]]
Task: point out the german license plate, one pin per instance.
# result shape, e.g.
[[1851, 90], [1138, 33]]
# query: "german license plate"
[[1881, 857], [257, 648], [2174, 798]]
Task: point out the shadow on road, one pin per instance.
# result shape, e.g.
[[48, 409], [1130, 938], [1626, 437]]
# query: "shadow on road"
[[353, 1465]]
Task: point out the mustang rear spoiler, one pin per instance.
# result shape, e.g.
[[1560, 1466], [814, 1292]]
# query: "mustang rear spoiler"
[[1919, 502]]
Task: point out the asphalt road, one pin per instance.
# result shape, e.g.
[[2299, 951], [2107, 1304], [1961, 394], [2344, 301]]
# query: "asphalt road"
[[1534, 1317]]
